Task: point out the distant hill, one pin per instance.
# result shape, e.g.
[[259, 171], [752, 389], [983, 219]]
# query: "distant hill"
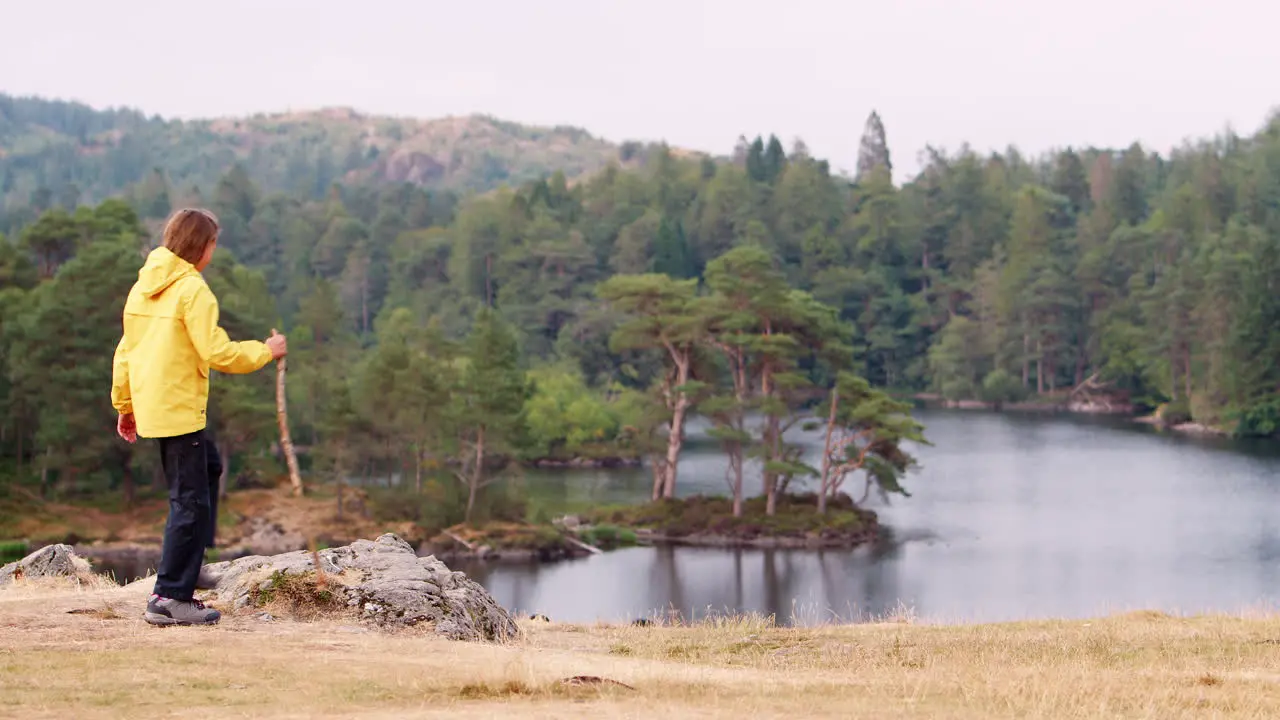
[[66, 149]]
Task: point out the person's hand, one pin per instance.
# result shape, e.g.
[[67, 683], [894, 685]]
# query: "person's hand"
[[127, 428], [277, 344]]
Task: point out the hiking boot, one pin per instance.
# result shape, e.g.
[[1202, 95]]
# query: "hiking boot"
[[208, 579], [164, 611]]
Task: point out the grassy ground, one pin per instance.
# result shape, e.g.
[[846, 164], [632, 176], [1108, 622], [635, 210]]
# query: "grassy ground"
[[103, 661]]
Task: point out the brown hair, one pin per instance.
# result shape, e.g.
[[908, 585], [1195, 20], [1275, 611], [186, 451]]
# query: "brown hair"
[[189, 232]]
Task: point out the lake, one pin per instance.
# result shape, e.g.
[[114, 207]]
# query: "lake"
[[1011, 516]]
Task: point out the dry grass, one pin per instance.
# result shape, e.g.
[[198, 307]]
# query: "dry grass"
[[105, 662]]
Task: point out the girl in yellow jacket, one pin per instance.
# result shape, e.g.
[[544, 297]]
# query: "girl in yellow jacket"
[[160, 387]]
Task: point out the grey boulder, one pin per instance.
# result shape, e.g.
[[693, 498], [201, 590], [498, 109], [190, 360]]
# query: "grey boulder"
[[50, 561], [383, 582]]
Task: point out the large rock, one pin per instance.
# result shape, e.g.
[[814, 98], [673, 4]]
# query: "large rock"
[[384, 582], [49, 561]]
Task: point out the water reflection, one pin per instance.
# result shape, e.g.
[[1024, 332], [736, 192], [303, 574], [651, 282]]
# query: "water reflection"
[[627, 584], [1012, 516]]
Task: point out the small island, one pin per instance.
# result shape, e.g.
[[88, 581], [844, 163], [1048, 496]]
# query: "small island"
[[709, 521], [699, 520]]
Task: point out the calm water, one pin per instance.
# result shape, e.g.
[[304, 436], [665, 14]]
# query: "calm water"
[[1011, 517]]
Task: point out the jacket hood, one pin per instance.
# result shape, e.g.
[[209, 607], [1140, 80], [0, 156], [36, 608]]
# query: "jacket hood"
[[161, 270]]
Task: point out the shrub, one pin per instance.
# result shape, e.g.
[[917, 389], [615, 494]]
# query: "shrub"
[[1259, 420], [999, 387], [609, 536], [1175, 412], [12, 550]]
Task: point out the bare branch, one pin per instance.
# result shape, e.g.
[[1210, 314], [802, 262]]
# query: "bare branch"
[[842, 470]]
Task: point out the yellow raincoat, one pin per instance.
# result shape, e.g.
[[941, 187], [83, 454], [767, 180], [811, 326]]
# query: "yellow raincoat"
[[171, 341]]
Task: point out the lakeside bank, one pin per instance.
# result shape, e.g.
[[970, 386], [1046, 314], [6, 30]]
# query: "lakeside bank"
[[1051, 405]]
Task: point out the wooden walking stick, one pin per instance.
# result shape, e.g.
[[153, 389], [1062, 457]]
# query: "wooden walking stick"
[[282, 418]]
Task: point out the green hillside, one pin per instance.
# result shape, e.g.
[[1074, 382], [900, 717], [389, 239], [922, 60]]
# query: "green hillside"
[[61, 153]]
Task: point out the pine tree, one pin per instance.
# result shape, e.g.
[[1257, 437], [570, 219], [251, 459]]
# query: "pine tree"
[[62, 357], [755, 322], [1071, 181], [488, 409], [775, 160], [671, 254], [660, 316], [757, 170], [873, 150], [866, 431]]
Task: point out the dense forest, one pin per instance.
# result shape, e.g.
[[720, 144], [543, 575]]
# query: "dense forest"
[[438, 336]]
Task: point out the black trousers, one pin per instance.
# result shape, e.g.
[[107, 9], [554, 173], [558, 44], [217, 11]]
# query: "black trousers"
[[191, 468]]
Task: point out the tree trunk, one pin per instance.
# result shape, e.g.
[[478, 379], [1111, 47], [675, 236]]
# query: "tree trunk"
[[225, 473], [740, 395], [675, 441], [675, 438], [417, 480], [1026, 361], [735, 463], [44, 474], [126, 467], [21, 450], [659, 476], [282, 419], [1186, 370], [771, 478], [825, 481], [477, 474], [771, 443], [1039, 367]]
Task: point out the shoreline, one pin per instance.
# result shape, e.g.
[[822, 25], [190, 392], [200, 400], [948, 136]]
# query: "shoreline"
[[873, 537], [585, 463], [572, 542], [1121, 411]]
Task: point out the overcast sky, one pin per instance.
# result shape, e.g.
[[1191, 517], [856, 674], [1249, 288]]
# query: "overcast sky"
[[698, 73]]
